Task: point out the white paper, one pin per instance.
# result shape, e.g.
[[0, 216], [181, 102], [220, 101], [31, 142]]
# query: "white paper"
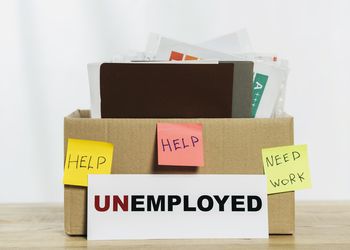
[[233, 43], [176, 224], [94, 83], [277, 76], [167, 45]]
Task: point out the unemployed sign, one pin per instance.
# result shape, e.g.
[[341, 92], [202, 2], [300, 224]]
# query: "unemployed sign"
[[177, 206]]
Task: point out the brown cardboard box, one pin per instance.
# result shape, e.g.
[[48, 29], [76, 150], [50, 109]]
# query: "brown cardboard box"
[[231, 146]]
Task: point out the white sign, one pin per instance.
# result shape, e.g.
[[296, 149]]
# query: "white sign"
[[176, 206]]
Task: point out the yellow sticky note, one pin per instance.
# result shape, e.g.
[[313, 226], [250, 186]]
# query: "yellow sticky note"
[[286, 168], [86, 157]]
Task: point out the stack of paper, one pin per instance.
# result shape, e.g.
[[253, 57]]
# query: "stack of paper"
[[270, 73]]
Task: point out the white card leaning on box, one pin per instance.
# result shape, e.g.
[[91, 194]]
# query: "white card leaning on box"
[[177, 206]]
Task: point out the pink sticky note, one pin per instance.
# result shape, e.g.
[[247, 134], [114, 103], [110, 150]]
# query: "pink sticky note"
[[180, 144]]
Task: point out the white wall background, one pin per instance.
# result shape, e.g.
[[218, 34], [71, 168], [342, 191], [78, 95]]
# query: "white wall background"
[[45, 46]]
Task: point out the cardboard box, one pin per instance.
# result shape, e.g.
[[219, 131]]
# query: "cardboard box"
[[231, 146]]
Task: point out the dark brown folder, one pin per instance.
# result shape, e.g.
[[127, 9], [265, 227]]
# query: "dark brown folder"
[[164, 90]]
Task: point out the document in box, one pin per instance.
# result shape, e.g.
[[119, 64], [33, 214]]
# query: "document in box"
[[268, 82], [168, 46], [94, 84], [269, 78], [94, 80], [266, 93]]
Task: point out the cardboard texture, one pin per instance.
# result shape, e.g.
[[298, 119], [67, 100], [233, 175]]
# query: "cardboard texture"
[[231, 146], [164, 90]]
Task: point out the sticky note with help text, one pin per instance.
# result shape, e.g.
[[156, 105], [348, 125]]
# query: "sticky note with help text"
[[85, 157], [180, 144], [286, 168]]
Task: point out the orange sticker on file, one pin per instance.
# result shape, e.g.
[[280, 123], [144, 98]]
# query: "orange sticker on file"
[[180, 144], [176, 56], [189, 58]]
